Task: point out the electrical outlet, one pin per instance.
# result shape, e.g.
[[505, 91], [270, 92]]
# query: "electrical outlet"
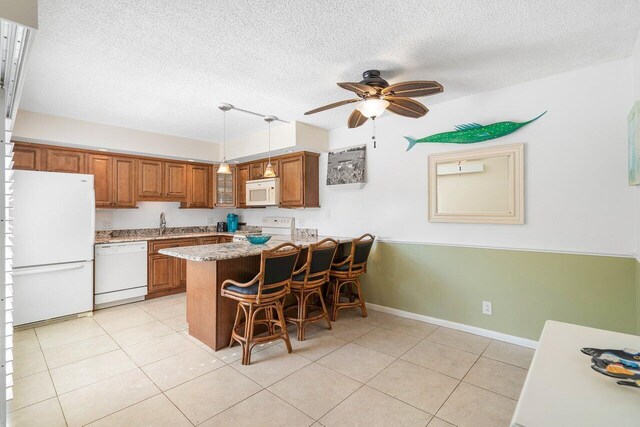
[[486, 308], [106, 224], [211, 220]]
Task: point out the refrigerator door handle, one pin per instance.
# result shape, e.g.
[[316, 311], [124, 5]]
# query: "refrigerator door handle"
[[45, 269]]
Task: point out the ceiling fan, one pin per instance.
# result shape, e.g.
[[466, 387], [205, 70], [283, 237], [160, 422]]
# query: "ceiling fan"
[[375, 95]]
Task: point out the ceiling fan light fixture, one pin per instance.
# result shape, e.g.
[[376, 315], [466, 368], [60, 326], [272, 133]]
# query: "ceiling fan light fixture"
[[372, 107]]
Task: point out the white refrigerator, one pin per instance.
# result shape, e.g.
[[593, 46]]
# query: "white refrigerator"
[[54, 234]]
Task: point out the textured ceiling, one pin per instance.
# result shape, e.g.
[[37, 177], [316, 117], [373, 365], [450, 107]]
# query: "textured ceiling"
[[163, 66]]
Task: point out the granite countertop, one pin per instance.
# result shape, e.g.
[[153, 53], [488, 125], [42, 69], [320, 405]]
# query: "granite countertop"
[[138, 238], [233, 250]]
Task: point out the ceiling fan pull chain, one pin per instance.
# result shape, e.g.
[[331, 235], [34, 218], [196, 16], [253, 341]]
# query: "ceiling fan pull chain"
[[373, 120]]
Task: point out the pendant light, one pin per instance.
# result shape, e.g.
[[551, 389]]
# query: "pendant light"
[[224, 166], [268, 171]]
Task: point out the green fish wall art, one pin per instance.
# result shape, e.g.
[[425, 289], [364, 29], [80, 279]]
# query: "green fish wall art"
[[472, 132]]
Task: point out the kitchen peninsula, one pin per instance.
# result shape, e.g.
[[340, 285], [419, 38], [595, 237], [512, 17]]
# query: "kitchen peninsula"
[[209, 315]]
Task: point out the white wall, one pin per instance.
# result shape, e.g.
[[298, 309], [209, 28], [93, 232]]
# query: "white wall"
[[577, 195], [292, 136], [56, 130]]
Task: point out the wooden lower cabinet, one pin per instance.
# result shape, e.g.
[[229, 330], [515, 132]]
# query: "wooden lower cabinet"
[[167, 275], [161, 273]]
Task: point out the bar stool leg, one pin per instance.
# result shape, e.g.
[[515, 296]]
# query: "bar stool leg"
[[248, 337], [363, 307], [324, 309], [236, 323], [336, 300], [283, 326]]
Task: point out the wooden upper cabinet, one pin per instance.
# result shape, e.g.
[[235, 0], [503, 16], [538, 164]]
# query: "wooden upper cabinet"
[[124, 182], [27, 157], [299, 180], [242, 176], [199, 191], [150, 174], [224, 188], [114, 180], [101, 167], [175, 181], [69, 161], [255, 170], [292, 181]]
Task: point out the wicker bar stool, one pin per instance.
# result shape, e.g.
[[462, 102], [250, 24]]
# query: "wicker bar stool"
[[263, 293], [345, 275], [307, 282]]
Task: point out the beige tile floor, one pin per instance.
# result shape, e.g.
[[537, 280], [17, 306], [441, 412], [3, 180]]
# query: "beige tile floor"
[[135, 365]]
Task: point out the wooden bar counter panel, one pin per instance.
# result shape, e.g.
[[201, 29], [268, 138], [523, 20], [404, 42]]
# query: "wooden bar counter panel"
[[209, 315]]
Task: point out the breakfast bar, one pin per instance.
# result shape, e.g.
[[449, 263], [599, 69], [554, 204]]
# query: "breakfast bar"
[[209, 315]]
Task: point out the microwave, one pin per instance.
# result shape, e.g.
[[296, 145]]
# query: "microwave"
[[263, 192]]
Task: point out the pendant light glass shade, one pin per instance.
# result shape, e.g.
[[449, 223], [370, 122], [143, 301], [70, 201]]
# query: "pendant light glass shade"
[[269, 172], [224, 166], [373, 107]]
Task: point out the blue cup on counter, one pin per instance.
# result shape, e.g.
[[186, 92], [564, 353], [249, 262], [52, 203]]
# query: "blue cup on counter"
[[232, 223]]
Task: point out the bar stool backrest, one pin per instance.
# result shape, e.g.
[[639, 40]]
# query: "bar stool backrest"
[[276, 268], [319, 258], [360, 250]]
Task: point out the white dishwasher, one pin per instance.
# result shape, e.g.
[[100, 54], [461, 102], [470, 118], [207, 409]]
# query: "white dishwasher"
[[121, 273]]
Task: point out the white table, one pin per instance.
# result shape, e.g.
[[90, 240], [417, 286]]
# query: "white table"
[[561, 389]]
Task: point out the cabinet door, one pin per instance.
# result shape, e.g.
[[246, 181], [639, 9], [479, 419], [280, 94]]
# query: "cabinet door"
[[101, 167], [224, 194], [175, 181], [242, 178], [150, 179], [161, 273], [65, 161], [124, 182], [27, 157], [198, 186], [292, 181], [255, 171], [180, 273], [276, 166], [180, 266]]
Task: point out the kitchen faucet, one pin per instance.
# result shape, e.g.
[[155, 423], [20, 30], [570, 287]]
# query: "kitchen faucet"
[[163, 224]]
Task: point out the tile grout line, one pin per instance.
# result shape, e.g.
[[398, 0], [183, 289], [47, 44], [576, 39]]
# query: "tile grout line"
[[64, 417], [145, 374]]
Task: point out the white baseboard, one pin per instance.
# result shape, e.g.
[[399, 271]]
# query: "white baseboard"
[[525, 342]]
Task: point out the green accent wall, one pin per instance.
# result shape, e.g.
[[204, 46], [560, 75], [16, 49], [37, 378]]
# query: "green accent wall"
[[525, 288], [638, 297]]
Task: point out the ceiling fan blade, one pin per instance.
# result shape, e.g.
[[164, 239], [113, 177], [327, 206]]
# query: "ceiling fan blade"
[[356, 119], [406, 107], [413, 89], [358, 88], [330, 106]]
